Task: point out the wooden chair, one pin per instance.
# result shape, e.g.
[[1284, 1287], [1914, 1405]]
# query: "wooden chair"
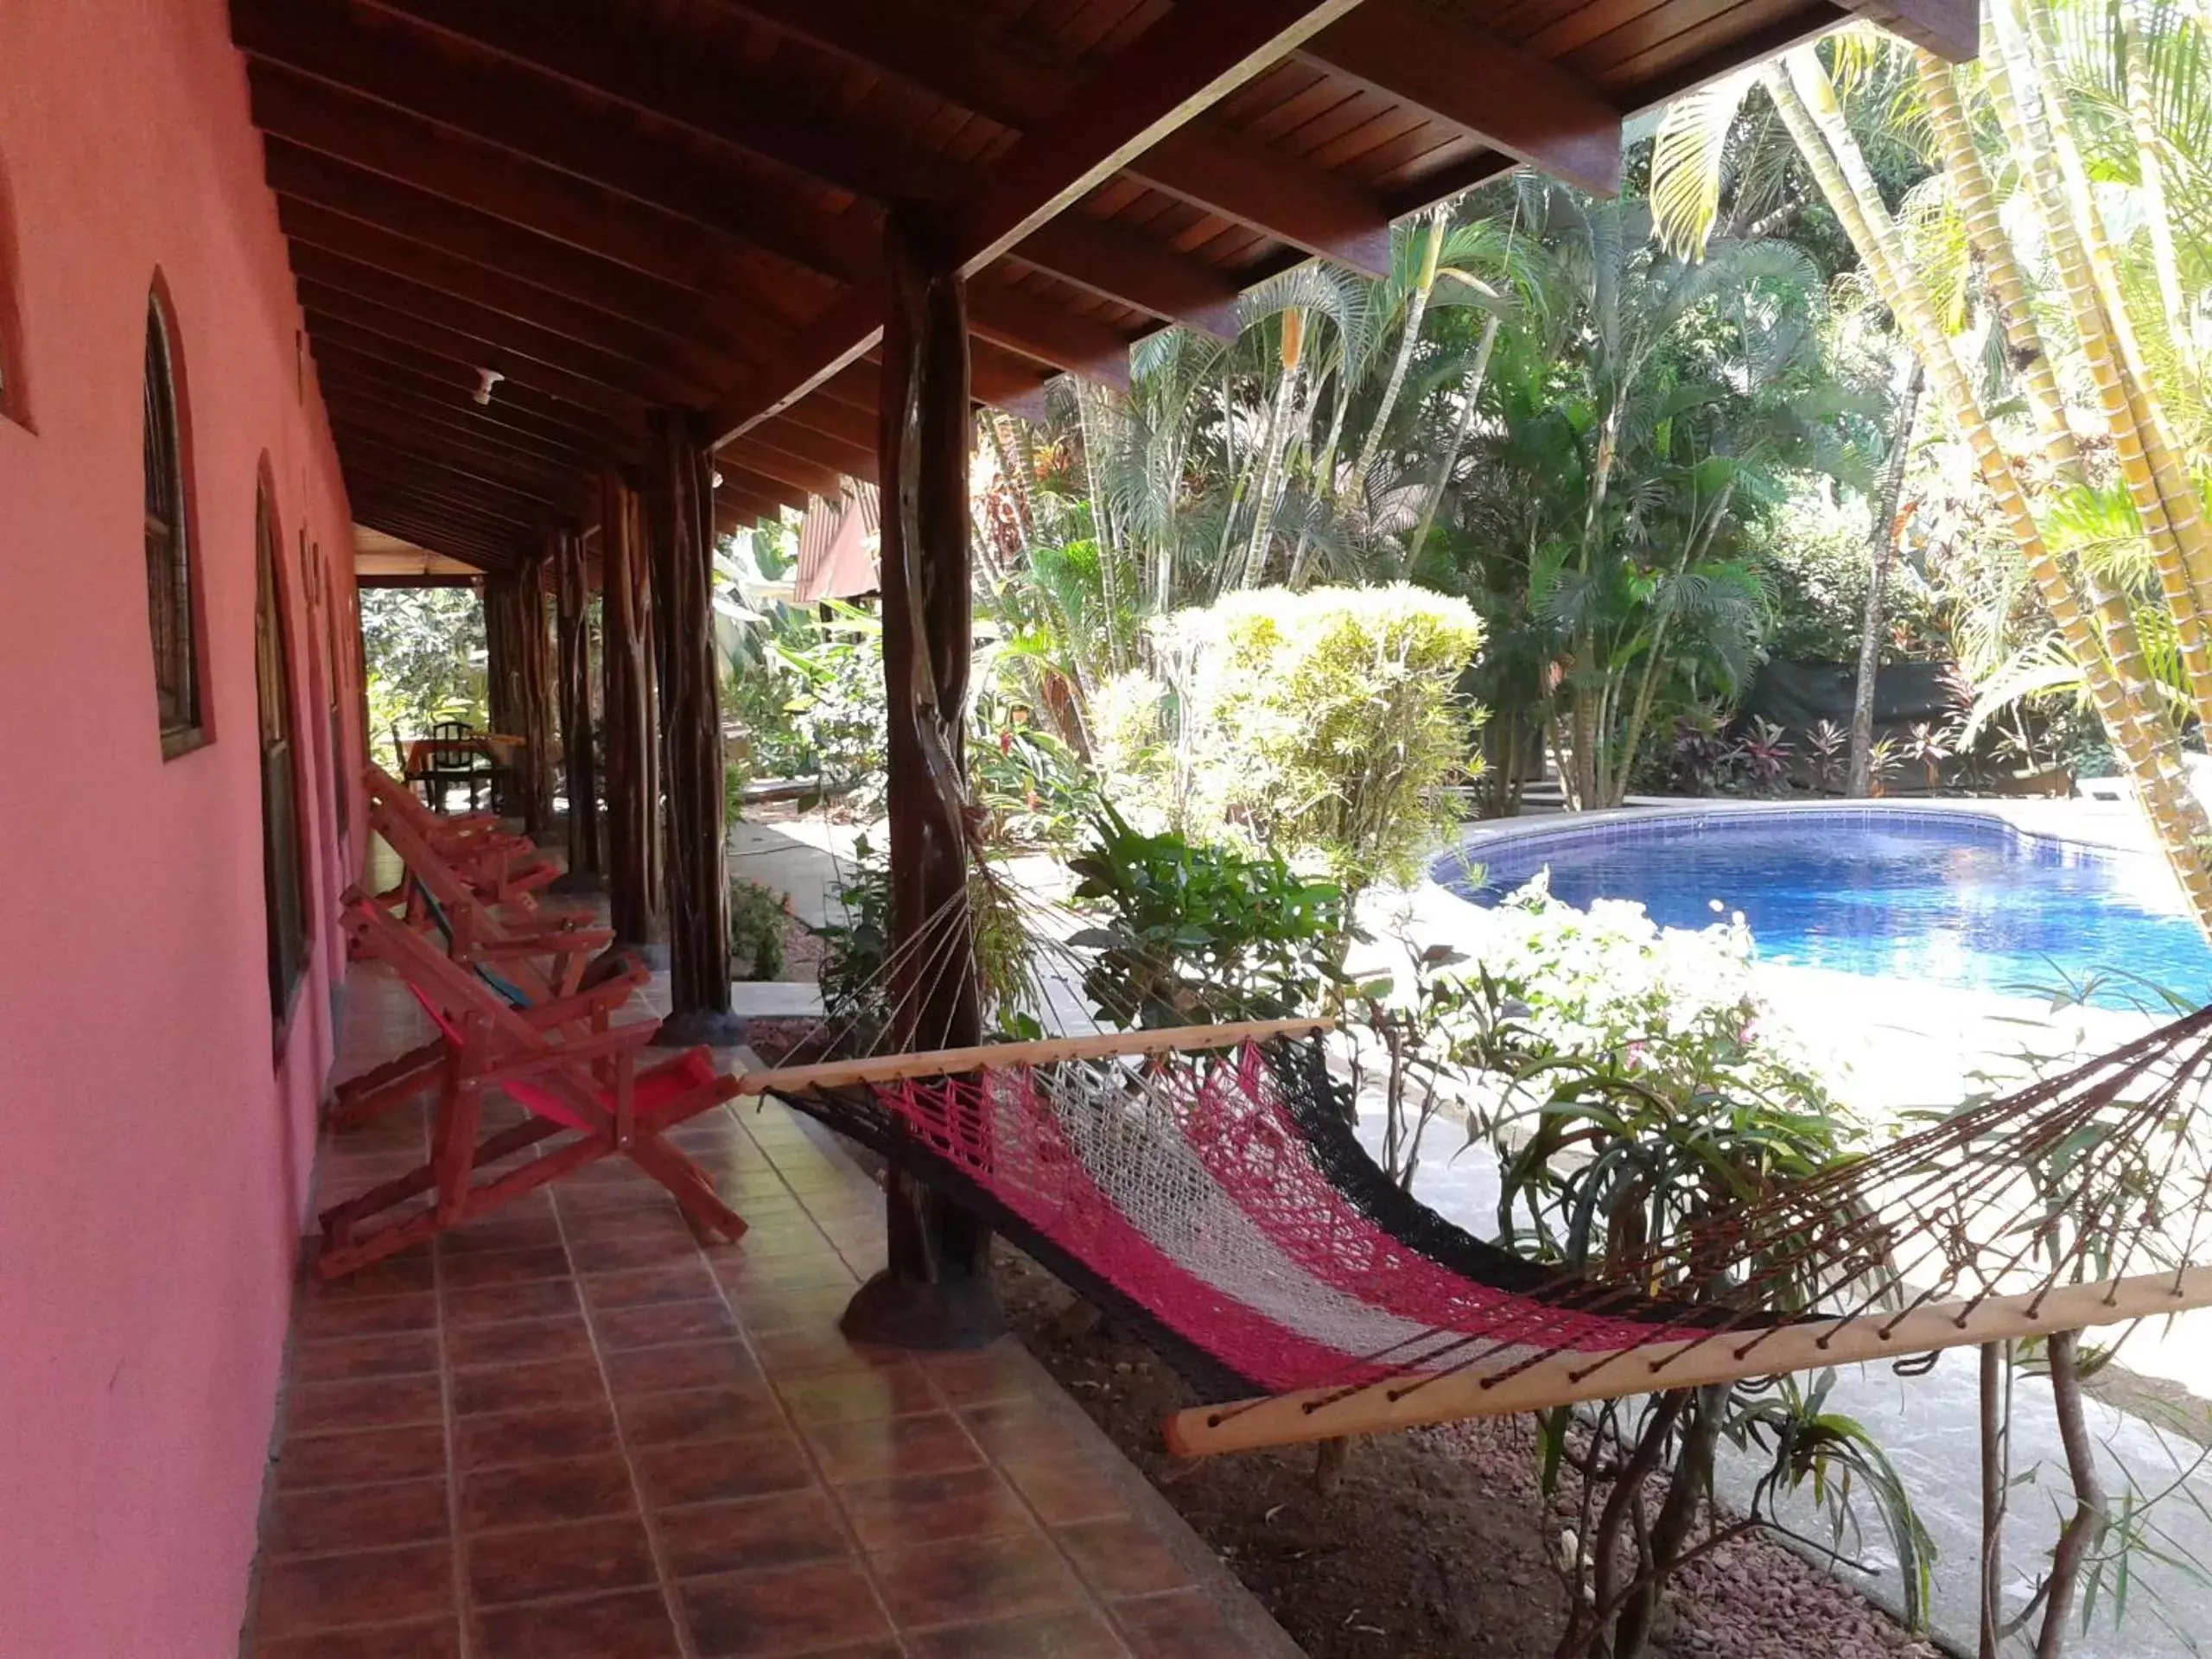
[[589, 1088], [502, 868], [479, 930], [454, 759]]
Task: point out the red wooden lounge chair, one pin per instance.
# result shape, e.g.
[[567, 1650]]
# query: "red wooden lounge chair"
[[480, 933], [504, 869], [587, 1088]]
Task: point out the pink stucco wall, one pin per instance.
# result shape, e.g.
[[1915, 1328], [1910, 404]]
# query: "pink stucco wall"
[[154, 1156]]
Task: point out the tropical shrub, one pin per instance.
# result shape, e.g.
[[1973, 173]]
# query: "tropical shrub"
[[1326, 726], [1192, 934], [423, 649], [758, 916]]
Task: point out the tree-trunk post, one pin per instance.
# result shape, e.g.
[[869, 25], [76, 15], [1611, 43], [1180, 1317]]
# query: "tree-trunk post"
[[521, 689], [633, 864], [579, 771], [936, 1290], [679, 515], [503, 680]]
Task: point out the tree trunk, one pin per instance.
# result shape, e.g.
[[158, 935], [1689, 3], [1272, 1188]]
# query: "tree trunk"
[[679, 512], [1996, 1484], [1881, 547], [1470, 390], [572, 597], [936, 1290], [1408, 343], [1277, 445], [634, 867], [2176, 816], [2081, 1530]]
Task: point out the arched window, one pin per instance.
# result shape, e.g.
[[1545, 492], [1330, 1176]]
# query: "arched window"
[[15, 372], [170, 604], [280, 817]]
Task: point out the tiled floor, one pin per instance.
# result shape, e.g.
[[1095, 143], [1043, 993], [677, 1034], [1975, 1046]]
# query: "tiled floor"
[[571, 1430]]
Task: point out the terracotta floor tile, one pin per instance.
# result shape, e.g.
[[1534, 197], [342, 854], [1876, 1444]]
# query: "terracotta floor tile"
[[962, 1503], [751, 1533], [1000, 1371], [1079, 1634], [389, 1353], [399, 1453], [793, 1353], [576, 1430], [603, 1199], [662, 1220], [1120, 1556], [608, 1552], [507, 1267], [709, 1415], [518, 1342], [437, 1638], [740, 1274], [630, 1625], [809, 1307], [521, 1388], [701, 1472], [313, 1592], [840, 1396], [789, 1610], [1024, 1427], [685, 1282], [656, 1323], [776, 1237], [1184, 1625], [534, 1299], [629, 1252], [539, 1494], [879, 1449], [503, 1232], [681, 1366], [1067, 1489], [975, 1580], [313, 1407], [412, 1269], [329, 1518], [366, 1315]]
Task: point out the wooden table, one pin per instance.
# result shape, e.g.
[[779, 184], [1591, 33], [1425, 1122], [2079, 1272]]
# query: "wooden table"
[[500, 753]]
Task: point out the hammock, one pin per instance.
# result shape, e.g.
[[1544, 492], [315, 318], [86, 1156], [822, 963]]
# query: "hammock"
[[1205, 1184]]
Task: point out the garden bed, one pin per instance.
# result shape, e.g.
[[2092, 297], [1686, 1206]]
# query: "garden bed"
[[1432, 1543]]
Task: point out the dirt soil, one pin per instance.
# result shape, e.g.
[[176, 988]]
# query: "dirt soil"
[[1434, 1544]]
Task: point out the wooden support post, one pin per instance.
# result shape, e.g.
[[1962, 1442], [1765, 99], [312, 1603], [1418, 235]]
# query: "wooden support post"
[[580, 766], [514, 630], [634, 862], [936, 1292], [680, 526]]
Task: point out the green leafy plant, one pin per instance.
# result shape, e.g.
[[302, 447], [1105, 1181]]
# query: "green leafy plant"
[[757, 917], [1192, 933]]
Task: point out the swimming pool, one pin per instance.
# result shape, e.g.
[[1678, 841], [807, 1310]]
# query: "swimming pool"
[[1958, 898]]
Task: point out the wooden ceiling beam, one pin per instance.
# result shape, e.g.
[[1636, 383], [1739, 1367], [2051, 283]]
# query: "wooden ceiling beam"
[[389, 369], [825, 414], [316, 116], [382, 507], [504, 338], [457, 474], [373, 483], [1024, 323], [623, 291], [587, 395], [368, 245], [736, 475], [1197, 53], [398, 67], [342, 385], [945, 50], [1135, 271], [786, 434], [1512, 99], [1009, 382], [529, 472], [1949, 28], [740, 511], [753, 455]]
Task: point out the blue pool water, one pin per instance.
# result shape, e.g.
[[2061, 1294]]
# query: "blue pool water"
[[1956, 898]]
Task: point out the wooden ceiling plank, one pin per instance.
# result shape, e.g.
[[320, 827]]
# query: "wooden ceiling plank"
[[1133, 269], [1520, 103], [1000, 378], [489, 458], [945, 51], [1949, 28], [851, 426], [711, 96], [504, 336], [739, 476], [536, 121], [456, 472], [801, 362], [459, 346], [756, 456], [345, 401], [1024, 323], [369, 245], [356, 359], [363, 503], [548, 202], [792, 436], [1199, 52], [435, 538], [372, 483], [574, 273]]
